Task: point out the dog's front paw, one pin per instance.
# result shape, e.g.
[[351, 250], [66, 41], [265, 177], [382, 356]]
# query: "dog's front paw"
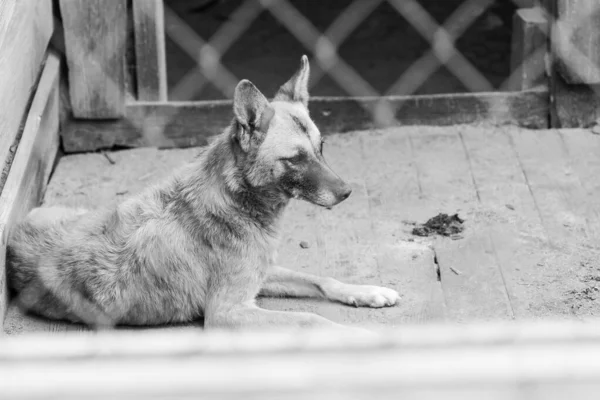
[[370, 296]]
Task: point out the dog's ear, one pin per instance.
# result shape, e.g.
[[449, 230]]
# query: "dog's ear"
[[296, 89], [252, 111]]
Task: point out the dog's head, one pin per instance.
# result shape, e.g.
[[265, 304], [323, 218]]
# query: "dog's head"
[[281, 146]]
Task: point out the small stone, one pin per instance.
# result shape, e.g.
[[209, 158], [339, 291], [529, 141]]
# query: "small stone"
[[596, 129], [510, 207], [304, 244]]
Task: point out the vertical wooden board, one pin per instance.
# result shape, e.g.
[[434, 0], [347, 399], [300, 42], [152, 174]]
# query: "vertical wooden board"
[[536, 274], [32, 164], [529, 42], [25, 30], [151, 60], [471, 278], [404, 262], [577, 41], [95, 41]]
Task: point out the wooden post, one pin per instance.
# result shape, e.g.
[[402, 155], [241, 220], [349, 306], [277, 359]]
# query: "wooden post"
[[25, 30], [95, 42], [151, 64], [529, 45], [577, 41], [575, 79]]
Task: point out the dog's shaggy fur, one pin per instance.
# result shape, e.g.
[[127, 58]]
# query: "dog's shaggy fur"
[[201, 243]]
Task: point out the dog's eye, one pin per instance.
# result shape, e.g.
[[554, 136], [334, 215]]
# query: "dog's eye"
[[295, 159]]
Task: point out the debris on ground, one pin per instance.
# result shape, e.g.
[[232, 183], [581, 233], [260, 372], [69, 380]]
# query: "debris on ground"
[[304, 244], [510, 207], [109, 158], [441, 224], [456, 271]]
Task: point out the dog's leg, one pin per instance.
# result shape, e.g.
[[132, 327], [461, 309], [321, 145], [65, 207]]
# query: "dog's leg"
[[251, 316], [231, 303], [284, 282]]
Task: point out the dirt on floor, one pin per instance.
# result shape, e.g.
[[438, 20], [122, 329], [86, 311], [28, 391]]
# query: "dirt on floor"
[[441, 224]]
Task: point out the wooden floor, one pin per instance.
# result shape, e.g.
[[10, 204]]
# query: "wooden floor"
[[531, 202]]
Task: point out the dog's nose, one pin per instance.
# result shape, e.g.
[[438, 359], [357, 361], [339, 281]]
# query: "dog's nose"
[[346, 193]]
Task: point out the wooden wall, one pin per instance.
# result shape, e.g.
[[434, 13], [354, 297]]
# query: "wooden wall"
[[28, 142], [25, 30]]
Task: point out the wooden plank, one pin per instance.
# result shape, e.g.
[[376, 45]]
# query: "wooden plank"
[[571, 105], [32, 164], [151, 59], [25, 30], [95, 34], [350, 251], [403, 261], [582, 148], [537, 274], [533, 361], [577, 41], [570, 217], [301, 225], [469, 270], [186, 124], [557, 190], [529, 42], [574, 106]]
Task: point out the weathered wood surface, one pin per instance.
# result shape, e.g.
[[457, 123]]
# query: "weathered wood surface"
[[32, 164], [577, 40], [25, 30], [529, 199], [572, 105], [469, 271], [150, 56], [187, 124], [529, 47], [533, 361], [95, 33], [395, 196]]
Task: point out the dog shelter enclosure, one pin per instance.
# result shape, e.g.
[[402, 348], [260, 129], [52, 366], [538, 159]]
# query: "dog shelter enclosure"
[[482, 108]]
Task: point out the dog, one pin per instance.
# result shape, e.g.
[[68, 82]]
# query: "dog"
[[202, 243]]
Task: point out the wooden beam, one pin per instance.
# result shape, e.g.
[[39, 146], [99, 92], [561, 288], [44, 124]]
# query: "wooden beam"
[[25, 30], [31, 167], [151, 64], [536, 360], [186, 124], [577, 41], [529, 44], [95, 42]]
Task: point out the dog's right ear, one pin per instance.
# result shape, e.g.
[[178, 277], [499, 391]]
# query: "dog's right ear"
[[252, 112], [296, 89]]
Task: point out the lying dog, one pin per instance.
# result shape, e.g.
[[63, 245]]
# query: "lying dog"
[[201, 243]]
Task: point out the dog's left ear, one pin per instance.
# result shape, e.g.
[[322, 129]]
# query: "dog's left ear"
[[296, 89], [252, 111]]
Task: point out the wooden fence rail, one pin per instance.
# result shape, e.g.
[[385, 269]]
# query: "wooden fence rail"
[[535, 360]]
